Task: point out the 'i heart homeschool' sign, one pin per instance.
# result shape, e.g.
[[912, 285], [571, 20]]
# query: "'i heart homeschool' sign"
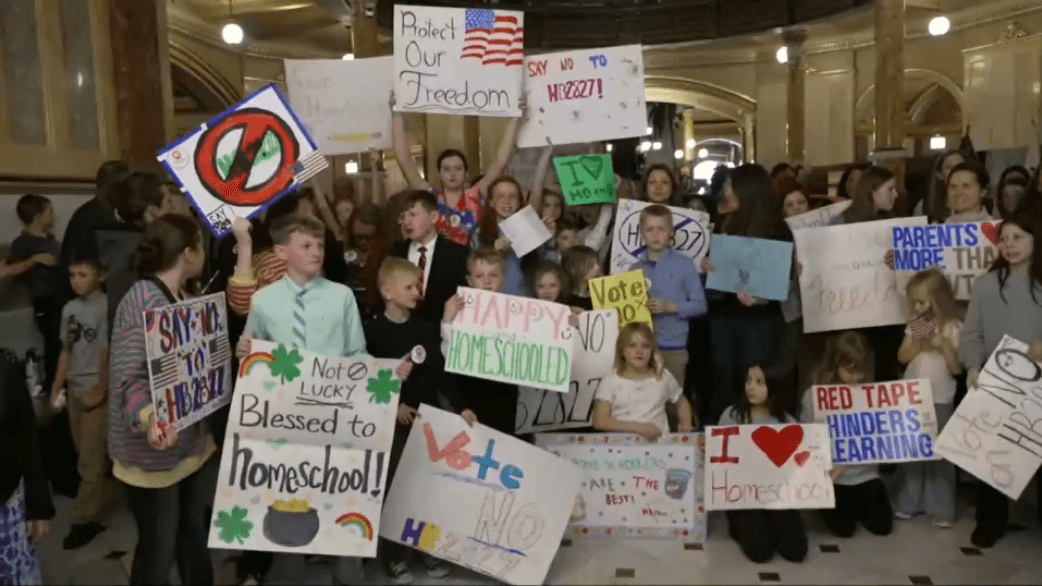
[[768, 467]]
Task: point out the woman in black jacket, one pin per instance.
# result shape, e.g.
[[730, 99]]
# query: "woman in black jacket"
[[25, 499]]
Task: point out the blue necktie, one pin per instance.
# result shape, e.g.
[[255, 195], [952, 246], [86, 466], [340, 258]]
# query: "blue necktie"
[[298, 321]]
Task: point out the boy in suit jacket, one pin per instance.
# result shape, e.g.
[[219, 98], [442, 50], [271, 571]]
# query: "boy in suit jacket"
[[442, 261]]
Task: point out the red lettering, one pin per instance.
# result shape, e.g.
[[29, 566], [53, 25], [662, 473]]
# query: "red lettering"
[[883, 397], [553, 92], [846, 401], [913, 393], [453, 453], [868, 394], [897, 390], [822, 394], [726, 433]]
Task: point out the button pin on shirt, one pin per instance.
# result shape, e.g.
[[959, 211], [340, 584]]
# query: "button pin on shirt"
[[418, 355]]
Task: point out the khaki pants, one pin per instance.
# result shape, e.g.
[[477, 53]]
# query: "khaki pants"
[[675, 361], [90, 428]]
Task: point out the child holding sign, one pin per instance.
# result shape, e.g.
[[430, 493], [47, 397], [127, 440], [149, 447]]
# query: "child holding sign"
[[929, 350], [503, 201], [633, 398]]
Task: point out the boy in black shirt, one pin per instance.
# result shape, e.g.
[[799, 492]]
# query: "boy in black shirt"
[[393, 334]]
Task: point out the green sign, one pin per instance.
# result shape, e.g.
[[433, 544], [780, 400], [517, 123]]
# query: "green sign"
[[586, 178]]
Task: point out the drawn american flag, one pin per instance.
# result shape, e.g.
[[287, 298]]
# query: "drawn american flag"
[[309, 166], [164, 370], [493, 38]]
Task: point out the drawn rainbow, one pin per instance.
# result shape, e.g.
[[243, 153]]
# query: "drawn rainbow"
[[359, 520], [255, 358]]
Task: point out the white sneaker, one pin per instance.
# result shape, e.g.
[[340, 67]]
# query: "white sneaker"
[[400, 573], [436, 568], [942, 524], [902, 516]]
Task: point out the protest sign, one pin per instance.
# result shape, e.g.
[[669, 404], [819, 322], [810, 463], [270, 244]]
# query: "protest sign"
[[962, 252], [305, 456], [845, 283], [626, 293], [586, 178], [511, 339], [757, 265], [777, 466], [995, 433], [189, 359], [525, 230], [878, 423], [633, 488], [593, 356], [584, 95], [829, 215], [691, 230], [464, 61], [243, 160], [479, 498], [343, 104]]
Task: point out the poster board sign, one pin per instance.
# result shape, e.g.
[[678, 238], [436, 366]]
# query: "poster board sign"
[[305, 457], [593, 356], [526, 231], [830, 215], [586, 178], [878, 423], [479, 498], [243, 160], [691, 232], [189, 359], [776, 466], [634, 488], [343, 104], [994, 433], [759, 266], [845, 283], [584, 95], [626, 293], [512, 339], [463, 61], [962, 252]]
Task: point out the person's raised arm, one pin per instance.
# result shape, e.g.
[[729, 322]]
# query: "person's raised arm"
[[535, 199], [403, 152], [506, 148]]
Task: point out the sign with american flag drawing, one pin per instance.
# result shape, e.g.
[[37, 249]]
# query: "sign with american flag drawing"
[[465, 61], [189, 359]]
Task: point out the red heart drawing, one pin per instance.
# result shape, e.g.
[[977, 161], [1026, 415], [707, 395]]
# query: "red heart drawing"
[[778, 445], [801, 458], [991, 231]]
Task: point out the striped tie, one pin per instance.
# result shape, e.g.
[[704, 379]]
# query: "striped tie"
[[298, 321]]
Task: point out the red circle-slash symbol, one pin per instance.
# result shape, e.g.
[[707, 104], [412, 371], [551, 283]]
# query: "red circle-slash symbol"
[[255, 124]]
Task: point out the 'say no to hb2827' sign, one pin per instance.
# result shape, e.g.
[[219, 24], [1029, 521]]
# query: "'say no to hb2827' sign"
[[243, 160]]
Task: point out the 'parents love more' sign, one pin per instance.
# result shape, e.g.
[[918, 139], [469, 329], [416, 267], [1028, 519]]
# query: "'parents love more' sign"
[[962, 252]]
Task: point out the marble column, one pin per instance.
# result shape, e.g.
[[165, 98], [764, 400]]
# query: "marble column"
[[689, 135], [462, 133], [795, 135], [365, 41], [889, 93]]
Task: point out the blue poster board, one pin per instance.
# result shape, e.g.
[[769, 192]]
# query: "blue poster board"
[[759, 266]]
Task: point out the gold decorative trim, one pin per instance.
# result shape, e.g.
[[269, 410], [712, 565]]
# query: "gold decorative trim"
[[867, 98], [699, 94], [205, 73]]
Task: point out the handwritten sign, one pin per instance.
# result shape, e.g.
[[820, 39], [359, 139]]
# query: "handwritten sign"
[[584, 95], [593, 355], [304, 460], [690, 235], [243, 160], [189, 359], [996, 433], [479, 498], [586, 178], [626, 293], [464, 61], [343, 104], [633, 488], [757, 265], [962, 252], [525, 230], [829, 215], [780, 466], [845, 283], [512, 339], [878, 423]]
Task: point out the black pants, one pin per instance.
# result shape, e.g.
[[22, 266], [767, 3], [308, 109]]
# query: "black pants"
[[697, 384], [760, 533], [60, 459], [866, 502], [494, 403], [992, 511]]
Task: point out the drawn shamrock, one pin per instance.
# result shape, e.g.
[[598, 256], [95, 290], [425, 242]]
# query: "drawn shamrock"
[[234, 526], [285, 364], [382, 387]]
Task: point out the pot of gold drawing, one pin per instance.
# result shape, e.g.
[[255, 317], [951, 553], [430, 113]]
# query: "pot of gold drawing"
[[676, 483], [291, 523]]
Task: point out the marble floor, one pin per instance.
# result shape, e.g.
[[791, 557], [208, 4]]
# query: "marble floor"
[[916, 553]]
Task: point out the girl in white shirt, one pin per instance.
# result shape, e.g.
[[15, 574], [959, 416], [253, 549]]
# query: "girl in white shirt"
[[633, 398]]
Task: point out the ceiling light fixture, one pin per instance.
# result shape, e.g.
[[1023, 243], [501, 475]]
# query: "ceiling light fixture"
[[678, 154], [782, 55], [656, 145], [608, 147], [351, 167], [938, 143], [645, 146], [690, 143], [231, 32], [348, 56], [649, 130], [939, 25], [703, 153]]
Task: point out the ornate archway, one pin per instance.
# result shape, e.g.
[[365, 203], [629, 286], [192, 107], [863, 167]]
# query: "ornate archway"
[[939, 87], [213, 90]]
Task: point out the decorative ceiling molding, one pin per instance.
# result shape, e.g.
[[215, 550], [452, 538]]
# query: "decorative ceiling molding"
[[924, 101], [864, 104], [699, 94], [203, 72], [209, 34]]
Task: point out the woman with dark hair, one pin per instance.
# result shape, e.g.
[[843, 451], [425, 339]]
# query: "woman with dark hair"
[[874, 197], [165, 470], [845, 189], [97, 214], [967, 187], [1013, 184], [934, 206], [660, 186]]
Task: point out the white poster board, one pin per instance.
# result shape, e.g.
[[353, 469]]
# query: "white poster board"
[[593, 357], [464, 61], [479, 498], [305, 457], [994, 434], [691, 232], [962, 252], [829, 215], [516, 340], [584, 95], [634, 488], [845, 283], [777, 466], [189, 359], [343, 104], [526, 231]]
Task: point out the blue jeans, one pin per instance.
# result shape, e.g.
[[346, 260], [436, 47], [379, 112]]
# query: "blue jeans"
[[737, 341]]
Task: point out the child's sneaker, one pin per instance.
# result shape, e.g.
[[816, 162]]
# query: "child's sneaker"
[[399, 572], [436, 568], [902, 516], [942, 524]]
